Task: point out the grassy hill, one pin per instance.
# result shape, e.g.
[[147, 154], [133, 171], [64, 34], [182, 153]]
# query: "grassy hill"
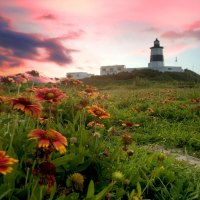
[[146, 78]]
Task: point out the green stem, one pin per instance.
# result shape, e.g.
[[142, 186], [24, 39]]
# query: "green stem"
[[18, 89], [27, 174], [14, 129]]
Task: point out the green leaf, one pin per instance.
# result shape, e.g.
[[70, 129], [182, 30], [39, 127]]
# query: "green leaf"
[[103, 193], [63, 197], [90, 192], [139, 190], [5, 193], [53, 192], [63, 160], [68, 182], [72, 196]]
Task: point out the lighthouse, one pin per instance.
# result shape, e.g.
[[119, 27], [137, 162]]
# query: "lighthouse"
[[156, 58]]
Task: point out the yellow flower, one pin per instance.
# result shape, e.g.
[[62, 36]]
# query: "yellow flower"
[[77, 179]]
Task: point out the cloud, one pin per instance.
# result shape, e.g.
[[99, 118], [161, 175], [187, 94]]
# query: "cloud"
[[4, 23], [47, 17], [18, 45], [191, 31], [7, 59], [72, 35]]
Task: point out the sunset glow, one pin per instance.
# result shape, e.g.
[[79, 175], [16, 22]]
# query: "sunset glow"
[[56, 37]]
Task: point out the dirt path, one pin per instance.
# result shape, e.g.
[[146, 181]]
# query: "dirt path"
[[179, 155]]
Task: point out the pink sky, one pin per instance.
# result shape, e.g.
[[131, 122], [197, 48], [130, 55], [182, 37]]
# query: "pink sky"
[[56, 37]]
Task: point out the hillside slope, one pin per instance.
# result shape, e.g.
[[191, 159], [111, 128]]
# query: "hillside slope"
[[146, 77]]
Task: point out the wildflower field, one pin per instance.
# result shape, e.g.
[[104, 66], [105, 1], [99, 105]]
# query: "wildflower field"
[[69, 140]]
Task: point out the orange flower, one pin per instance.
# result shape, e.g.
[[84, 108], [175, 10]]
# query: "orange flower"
[[129, 124], [195, 100], [150, 110], [20, 78], [51, 95], [77, 82], [48, 139], [95, 124], [105, 96], [3, 99], [7, 79], [70, 81], [126, 138], [90, 92], [26, 106], [43, 119], [98, 112], [4, 162]]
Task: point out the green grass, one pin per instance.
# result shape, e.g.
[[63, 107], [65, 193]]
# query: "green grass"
[[168, 117]]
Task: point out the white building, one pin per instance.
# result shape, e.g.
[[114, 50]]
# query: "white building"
[[79, 75], [157, 60]]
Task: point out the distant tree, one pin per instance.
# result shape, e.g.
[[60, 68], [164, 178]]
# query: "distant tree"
[[69, 76], [33, 73]]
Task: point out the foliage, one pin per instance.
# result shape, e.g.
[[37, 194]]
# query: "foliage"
[[88, 144]]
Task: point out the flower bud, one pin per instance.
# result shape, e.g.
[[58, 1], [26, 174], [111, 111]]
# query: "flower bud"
[[117, 176], [130, 152], [161, 157]]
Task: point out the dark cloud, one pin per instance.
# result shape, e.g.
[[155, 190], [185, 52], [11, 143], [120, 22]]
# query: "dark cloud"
[[7, 59], [20, 45], [4, 23], [47, 17], [191, 31]]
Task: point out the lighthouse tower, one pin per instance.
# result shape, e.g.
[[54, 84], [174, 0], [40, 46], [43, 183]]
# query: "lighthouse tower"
[[157, 58]]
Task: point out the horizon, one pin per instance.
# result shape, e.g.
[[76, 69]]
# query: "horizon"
[[55, 38]]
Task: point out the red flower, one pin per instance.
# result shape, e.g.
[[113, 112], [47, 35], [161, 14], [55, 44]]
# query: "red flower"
[[51, 95], [4, 162], [26, 106], [46, 171], [98, 112], [48, 139]]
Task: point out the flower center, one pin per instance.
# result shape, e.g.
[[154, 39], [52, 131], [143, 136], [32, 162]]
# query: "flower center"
[[50, 135], [98, 112], [50, 95]]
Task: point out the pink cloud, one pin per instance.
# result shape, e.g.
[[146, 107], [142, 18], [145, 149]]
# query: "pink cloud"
[[47, 17], [172, 35], [176, 49], [71, 35], [192, 31]]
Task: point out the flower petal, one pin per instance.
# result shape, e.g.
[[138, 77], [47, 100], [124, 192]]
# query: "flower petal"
[[43, 143], [59, 147], [37, 134]]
